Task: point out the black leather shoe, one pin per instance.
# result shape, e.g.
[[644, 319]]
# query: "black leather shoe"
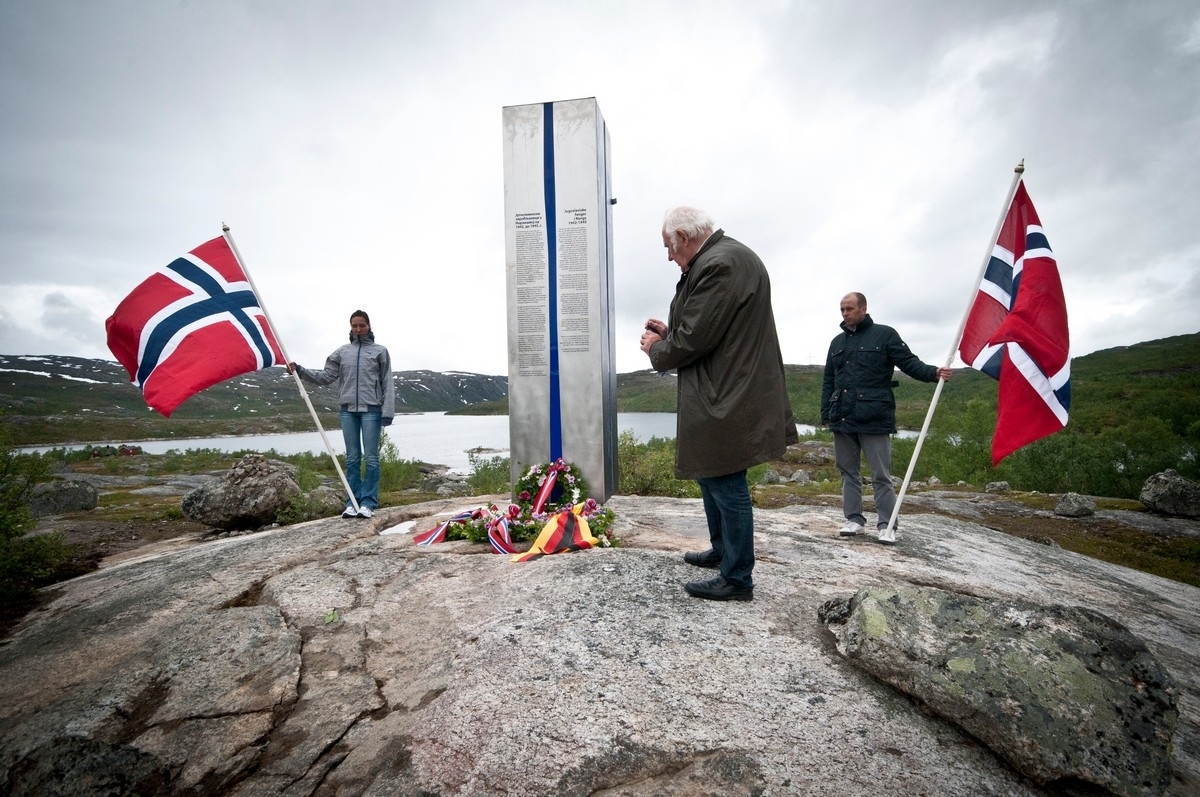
[[708, 558], [718, 589]]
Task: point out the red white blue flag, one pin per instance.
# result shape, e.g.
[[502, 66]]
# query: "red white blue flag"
[[192, 324], [1017, 333]]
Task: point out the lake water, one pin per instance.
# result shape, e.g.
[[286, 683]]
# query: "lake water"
[[432, 437]]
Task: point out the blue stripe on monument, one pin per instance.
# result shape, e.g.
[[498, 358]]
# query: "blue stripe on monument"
[[552, 279]]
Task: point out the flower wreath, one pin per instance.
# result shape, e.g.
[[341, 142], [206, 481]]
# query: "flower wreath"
[[542, 492]]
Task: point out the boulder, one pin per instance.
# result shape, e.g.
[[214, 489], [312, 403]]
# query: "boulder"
[[1063, 693], [248, 496], [444, 482], [1168, 493], [61, 496], [325, 501], [1075, 505], [997, 487], [340, 658]]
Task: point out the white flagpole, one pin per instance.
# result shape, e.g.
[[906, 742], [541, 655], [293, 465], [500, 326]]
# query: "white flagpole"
[[304, 393], [888, 535]]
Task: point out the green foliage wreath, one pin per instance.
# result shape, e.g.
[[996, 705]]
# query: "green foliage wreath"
[[524, 523]]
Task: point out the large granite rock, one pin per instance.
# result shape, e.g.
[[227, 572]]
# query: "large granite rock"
[[249, 495], [60, 496], [328, 658], [1075, 505], [1063, 693], [1171, 494]]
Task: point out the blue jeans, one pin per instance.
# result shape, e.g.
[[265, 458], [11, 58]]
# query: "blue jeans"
[[730, 525], [360, 431], [849, 449]]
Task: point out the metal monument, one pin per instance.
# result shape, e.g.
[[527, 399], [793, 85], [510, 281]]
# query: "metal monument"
[[562, 381]]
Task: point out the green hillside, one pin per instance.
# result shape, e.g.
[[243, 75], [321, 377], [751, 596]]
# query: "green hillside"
[[1135, 411], [1109, 388]]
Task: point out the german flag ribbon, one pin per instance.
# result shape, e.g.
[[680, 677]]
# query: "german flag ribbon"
[[566, 531]]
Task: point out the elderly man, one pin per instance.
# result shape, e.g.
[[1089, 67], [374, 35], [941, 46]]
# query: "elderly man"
[[733, 410], [858, 405]]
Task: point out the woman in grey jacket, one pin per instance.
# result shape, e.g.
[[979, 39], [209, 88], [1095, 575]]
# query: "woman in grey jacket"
[[367, 398]]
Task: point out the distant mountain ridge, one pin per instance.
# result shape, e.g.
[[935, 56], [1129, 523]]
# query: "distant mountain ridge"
[[22, 377], [51, 399]]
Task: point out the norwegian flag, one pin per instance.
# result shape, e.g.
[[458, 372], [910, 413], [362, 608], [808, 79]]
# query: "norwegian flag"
[[1016, 332], [192, 324]]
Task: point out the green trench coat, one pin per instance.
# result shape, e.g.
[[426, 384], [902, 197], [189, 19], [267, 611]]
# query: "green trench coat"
[[733, 408]]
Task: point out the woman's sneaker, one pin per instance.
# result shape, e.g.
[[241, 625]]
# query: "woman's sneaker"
[[850, 529], [349, 512], [365, 511]]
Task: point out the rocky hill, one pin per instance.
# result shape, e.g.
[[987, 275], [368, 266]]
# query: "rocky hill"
[[337, 658]]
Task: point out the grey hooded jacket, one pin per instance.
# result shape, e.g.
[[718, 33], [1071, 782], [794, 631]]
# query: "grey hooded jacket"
[[363, 369]]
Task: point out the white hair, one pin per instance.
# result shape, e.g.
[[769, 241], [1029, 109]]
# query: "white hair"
[[692, 222]]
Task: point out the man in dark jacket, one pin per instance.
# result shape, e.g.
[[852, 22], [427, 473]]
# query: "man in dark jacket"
[[733, 410], [857, 403]]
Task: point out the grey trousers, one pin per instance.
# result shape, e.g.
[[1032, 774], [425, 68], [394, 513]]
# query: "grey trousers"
[[848, 450]]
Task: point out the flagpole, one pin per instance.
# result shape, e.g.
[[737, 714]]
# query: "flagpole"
[[295, 375], [888, 535]]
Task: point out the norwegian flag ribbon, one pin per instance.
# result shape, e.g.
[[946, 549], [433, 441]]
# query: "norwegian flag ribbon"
[[498, 536], [547, 487], [194, 323], [438, 533], [1016, 332], [497, 528]]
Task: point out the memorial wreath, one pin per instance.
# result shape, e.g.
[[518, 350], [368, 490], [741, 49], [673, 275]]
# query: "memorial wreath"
[[542, 492]]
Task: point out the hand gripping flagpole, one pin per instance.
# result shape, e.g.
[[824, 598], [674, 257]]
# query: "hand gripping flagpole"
[[888, 535], [304, 393]]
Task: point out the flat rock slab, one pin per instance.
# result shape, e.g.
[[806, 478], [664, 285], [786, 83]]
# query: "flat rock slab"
[[330, 658]]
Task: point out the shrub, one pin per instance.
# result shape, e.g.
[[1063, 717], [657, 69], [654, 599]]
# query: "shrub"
[[26, 563], [303, 507], [395, 473], [489, 475], [648, 468]]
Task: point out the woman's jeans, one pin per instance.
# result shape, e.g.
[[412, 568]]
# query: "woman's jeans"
[[360, 431], [731, 525]]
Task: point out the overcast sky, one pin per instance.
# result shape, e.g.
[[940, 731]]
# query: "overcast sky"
[[355, 149]]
